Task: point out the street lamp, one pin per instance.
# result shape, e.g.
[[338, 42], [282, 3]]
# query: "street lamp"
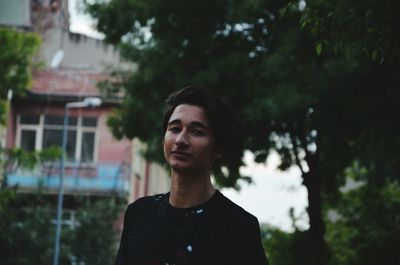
[[87, 102]]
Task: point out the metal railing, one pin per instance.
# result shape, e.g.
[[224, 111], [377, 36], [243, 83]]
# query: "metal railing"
[[100, 177]]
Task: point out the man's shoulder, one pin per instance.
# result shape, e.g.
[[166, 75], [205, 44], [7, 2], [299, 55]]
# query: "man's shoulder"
[[233, 211], [146, 204]]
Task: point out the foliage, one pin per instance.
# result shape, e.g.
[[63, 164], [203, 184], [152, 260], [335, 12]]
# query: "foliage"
[[27, 227], [29, 160], [368, 230], [319, 85], [360, 53], [27, 231], [287, 248], [19, 158], [170, 59], [315, 79], [5, 198], [96, 232], [16, 51], [365, 232]]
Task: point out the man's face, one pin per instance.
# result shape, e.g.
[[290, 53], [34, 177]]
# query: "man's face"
[[188, 141]]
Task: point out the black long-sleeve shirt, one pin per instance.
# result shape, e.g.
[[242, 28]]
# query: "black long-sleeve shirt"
[[216, 232]]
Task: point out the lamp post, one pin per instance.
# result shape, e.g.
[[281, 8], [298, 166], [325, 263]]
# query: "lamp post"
[[87, 102]]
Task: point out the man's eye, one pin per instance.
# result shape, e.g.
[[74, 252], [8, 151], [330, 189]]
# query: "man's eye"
[[198, 132], [174, 129]]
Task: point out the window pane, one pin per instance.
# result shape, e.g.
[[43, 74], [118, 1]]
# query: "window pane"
[[71, 145], [89, 122], [87, 146], [59, 120], [53, 137], [29, 119], [28, 139]]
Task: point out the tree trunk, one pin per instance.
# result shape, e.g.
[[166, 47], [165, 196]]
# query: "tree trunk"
[[312, 181]]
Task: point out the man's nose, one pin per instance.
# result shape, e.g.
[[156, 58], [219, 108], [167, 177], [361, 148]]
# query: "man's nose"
[[182, 138]]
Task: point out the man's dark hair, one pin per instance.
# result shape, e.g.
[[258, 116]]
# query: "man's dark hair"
[[222, 118]]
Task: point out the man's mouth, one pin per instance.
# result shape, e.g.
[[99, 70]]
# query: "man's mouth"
[[180, 153]]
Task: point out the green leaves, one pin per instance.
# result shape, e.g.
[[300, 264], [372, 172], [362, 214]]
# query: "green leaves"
[[318, 85], [27, 230], [368, 229], [318, 49], [16, 51], [28, 160], [86, 241], [26, 236]]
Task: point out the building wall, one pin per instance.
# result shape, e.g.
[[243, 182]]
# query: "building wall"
[[147, 178], [81, 52], [15, 13], [143, 178], [160, 180], [107, 173], [109, 148]]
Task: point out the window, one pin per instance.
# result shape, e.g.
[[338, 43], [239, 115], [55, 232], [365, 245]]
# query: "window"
[[44, 131], [28, 138], [87, 146]]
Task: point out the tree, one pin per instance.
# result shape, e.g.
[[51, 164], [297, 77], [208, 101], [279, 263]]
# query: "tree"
[[96, 231], [363, 230], [16, 51], [26, 220], [360, 44], [27, 230], [16, 158], [304, 81], [366, 227]]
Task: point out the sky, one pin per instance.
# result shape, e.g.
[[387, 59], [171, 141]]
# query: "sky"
[[81, 22], [272, 192]]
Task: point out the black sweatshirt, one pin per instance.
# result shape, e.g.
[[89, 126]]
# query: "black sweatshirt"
[[215, 232]]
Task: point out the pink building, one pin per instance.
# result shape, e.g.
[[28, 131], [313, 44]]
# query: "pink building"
[[96, 162]]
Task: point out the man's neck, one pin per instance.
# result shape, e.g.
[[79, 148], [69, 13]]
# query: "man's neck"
[[189, 191]]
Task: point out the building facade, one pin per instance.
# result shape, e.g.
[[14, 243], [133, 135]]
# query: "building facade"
[[97, 163]]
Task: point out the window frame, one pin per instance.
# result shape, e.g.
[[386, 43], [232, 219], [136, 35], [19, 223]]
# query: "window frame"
[[78, 128]]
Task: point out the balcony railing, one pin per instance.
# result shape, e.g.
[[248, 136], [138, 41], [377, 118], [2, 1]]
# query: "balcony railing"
[[101, 177]]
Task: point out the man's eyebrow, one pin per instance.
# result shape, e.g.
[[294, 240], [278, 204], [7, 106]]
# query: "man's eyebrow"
[[200, 124], [176, 121], [193, 123]]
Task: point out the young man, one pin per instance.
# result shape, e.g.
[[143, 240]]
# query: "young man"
[[193, 223]]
